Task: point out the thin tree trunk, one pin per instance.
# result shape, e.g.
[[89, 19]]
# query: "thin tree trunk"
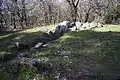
[[75, 14], [1, 21], [50, 14], [86, 17], [14, 21], [25, 19]]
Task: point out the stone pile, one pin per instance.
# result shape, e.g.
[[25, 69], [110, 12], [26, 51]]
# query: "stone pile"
[[86, 26], [60, 29], [63, 27]]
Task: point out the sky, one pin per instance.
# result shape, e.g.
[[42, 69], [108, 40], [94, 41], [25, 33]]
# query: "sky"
[[60, 1]]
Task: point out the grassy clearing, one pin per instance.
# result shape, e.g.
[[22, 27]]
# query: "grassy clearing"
[[113, 28], [9, 40], [25, 36], [83, 51], [33, 30], [94, 50]]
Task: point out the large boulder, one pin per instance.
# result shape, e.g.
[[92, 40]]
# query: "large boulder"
[[79, 25], [85, 26], [73, 28], [38, 45], [93, 25], [50, 33], [100, 25], [72, 24], [65, 23], [61, 28]]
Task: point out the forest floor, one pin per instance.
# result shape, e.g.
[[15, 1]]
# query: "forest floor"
[[73, 54]]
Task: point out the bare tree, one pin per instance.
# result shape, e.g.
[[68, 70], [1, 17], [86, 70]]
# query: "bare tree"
[[1, 15], [73, 4], [24, 13]]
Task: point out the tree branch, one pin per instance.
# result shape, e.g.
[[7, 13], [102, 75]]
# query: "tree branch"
[[77, 3], [69, 2]]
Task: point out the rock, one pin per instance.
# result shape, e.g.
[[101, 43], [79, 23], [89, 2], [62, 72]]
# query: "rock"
[[50, 33], [65, 23], [72, 24], [21, 45], [45, 45], [60, 29], [66, 57], [57, 30], [35, 63], [17, 44], [22, 55], [93, 24], [63, 28], [38, 45], [86, 26], [73, 28], [79, 25]]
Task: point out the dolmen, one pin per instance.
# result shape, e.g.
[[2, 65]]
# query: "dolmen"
[[73, 26], [87, 25], [60, 29], [65, 26]]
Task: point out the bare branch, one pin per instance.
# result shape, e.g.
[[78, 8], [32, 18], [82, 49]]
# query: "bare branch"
[[77, 3]]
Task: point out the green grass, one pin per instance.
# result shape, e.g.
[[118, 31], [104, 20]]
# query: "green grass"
[[9, 40], [25, 36], [94, 50], [91, 50], [27, 73], [108, 28]]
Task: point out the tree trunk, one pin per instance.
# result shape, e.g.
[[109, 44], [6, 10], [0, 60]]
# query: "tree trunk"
[[1, 15], [25, 19], [86, 17], [75, 14], [50, 14], [14, 22], [73, 5], [1, 21]]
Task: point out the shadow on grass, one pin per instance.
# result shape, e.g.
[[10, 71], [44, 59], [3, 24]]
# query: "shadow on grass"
[[87, 50], [20, 37], [2, 33], [76, 52], [102, 47], [30, 39]]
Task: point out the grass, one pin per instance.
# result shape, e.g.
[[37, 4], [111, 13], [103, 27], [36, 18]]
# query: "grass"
[[26, 36], [27, 73], [9, 40], [87, 51], [107, 28], [94, 50]]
